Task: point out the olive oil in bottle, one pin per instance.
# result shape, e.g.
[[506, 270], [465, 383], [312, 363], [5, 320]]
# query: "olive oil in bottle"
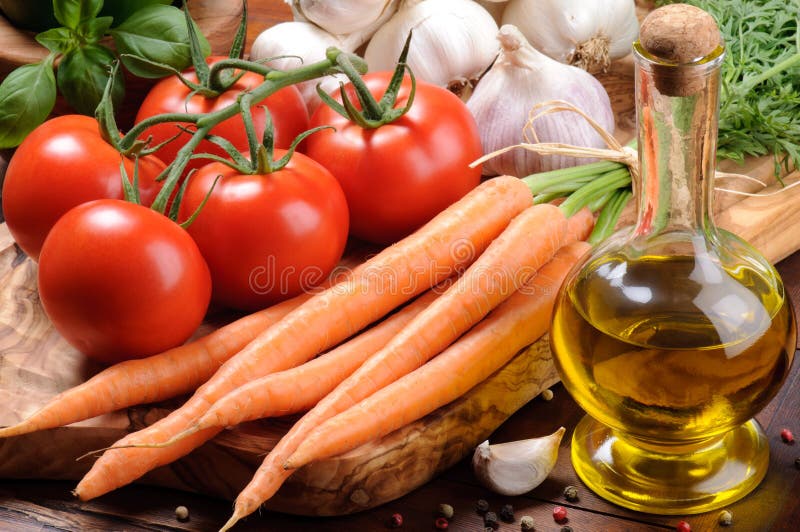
[[673, 334]]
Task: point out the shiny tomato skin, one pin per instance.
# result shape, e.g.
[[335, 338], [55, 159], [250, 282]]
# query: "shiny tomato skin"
[[400, 175], [121, 281], [267, 237], [286, 106], [62, 163]]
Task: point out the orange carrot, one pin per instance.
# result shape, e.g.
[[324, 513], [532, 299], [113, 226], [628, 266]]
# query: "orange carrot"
[[519, 321], [530, 240], [392, 277], [174, 372], [300, 388], [580, 225]]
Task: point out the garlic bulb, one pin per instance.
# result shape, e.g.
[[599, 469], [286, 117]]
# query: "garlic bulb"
[[291, 44], [341, 17], [577, 32], [452, 45], [521, 78], [516, 467]]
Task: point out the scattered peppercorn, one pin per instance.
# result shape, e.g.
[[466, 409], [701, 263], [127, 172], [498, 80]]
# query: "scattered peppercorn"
[[396, 521], [566, 529], [571, 493], [797, 463], [482, 506], [547, 395], [526, 524], [490, 520], [507, 513], [683, 526], [787, 436], [725, 518], [182, 513], [446, 511], [441, 523], [559, 513]]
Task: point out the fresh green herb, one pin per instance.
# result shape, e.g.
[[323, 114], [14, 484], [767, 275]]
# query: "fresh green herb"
[[157, 34], [760, 100]]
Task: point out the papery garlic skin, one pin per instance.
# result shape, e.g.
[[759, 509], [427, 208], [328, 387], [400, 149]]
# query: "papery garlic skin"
[[516, 467], [341, 17], [453, 41], [520, 78], [297, 43], [588, 34]]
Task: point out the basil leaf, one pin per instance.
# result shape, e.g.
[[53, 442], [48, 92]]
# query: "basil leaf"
[[58, 40], [83, 74], [94, 29], [159, 35], [70, 13], [27, 96]]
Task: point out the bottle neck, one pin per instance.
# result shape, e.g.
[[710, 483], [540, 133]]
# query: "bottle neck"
[[676, 112]]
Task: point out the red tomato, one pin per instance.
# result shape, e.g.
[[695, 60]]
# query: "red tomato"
[[267, 237], [61, 164], [170, 95], [121, 281], [400, 175]]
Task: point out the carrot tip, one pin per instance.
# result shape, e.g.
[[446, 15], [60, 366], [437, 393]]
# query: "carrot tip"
[[232, 521]]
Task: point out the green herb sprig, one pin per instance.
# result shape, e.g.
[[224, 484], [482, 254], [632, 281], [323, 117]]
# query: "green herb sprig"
[[760, 100]]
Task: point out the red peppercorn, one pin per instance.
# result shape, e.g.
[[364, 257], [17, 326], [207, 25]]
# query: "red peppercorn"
[[683, 526], [396, 521], [787, 436], [441, 523], [559, 514]]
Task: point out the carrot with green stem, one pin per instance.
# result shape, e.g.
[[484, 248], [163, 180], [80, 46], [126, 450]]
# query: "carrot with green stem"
[[445, 245], [519, 321], [530, 240], [300, 388]]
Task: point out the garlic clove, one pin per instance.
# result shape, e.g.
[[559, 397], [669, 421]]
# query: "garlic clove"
[[453, 43], [516, 467]]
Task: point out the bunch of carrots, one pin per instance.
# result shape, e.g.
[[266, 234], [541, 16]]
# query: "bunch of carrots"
[[363, 357]]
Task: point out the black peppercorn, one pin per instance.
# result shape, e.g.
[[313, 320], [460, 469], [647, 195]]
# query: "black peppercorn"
[[797, 463], [566, 529], [482, 506], [507, 513], [490, 520]]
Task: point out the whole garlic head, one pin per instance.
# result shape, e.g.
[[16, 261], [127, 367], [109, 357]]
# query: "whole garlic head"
[[520, 78], [292, 44], [453, 41]]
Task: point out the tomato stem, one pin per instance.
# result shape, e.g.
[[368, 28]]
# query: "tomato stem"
[[373, 113]]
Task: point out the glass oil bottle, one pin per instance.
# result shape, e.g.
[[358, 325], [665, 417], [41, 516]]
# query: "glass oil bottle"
[[673, 334]]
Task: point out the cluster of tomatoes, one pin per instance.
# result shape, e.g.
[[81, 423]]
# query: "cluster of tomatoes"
[[120, 280]]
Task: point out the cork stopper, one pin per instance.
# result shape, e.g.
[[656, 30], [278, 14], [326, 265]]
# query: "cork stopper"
[[679, 35]]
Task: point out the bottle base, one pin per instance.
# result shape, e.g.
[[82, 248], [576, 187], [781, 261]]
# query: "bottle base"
[[661, 480]]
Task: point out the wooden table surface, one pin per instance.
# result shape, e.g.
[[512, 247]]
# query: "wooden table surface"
[[48, 505]]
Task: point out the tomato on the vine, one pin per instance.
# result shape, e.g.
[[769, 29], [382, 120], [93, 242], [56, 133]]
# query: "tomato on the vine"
[[286, 107], [267, 237], [62, 163], [121, 281], [399, 175]]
